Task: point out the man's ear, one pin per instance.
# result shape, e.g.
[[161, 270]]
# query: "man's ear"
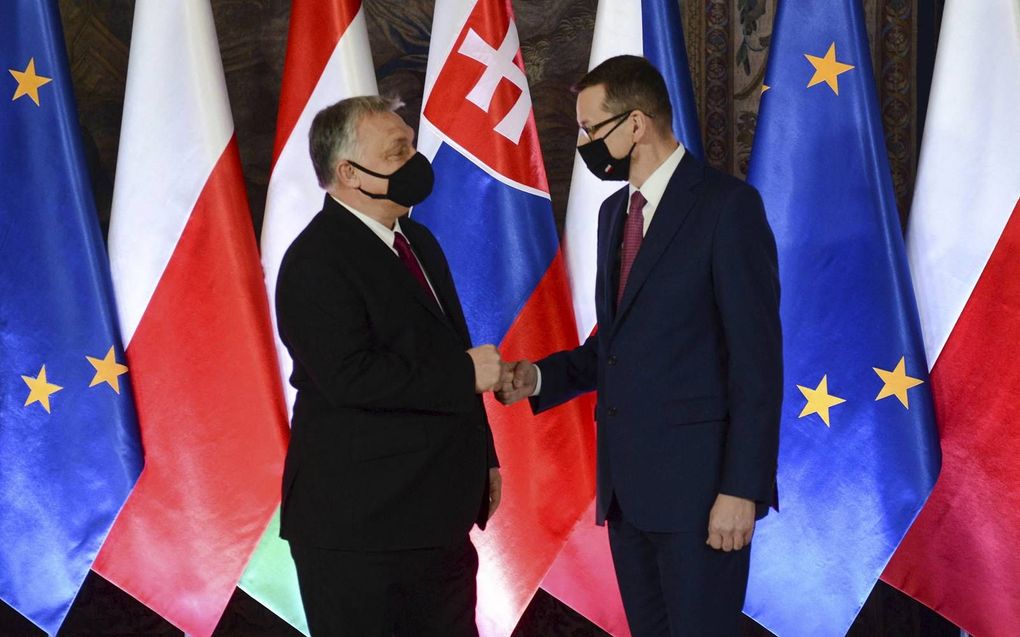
[[640, 124], [346, 175]]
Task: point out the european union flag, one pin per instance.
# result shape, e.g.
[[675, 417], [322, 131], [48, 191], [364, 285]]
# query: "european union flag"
[[69, 446], [859, 451]]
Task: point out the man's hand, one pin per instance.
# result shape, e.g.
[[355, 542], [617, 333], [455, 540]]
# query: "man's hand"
[[730, 523], [489, 368], [525, 377], [495, 490]]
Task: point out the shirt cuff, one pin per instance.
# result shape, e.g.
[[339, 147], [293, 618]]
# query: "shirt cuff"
[[538, 381]]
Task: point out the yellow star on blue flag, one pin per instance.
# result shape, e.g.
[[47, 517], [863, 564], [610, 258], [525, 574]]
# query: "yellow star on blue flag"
[[29, 82], [40, 389]]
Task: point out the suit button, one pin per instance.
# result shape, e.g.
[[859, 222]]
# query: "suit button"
[[612, 411], [611, 361]]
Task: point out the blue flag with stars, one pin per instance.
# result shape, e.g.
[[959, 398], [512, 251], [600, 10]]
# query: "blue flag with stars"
[[69, 444], [859, 450]]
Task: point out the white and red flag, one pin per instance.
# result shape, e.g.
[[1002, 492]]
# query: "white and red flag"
[[963, 242], [196, 328]]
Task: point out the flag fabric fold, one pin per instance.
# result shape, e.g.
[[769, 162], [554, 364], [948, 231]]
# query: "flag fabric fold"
[[858, 447], [69, 443], [963, 242], [196, 326], [490, 211]]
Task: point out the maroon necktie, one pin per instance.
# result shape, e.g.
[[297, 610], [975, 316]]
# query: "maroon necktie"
[[406, 254], [633, 232]]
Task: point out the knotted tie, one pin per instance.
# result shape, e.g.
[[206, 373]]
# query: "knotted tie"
[[633, 232]]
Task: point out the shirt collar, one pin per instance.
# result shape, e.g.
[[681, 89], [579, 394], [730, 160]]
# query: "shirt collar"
[[385, 234], [655, 186]]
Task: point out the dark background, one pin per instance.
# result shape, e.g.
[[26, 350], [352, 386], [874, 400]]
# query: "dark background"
[[727, 43]]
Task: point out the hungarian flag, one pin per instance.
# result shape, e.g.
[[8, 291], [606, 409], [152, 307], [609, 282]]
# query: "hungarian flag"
[[963, 242], [195, 324], [328, 59], [491, 212], [583, 576]]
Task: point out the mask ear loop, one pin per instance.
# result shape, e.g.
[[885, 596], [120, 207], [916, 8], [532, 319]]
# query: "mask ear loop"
[[370, 195], [366, 170]]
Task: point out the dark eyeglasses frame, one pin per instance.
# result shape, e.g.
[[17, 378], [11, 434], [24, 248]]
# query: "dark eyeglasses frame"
[[589, 131]]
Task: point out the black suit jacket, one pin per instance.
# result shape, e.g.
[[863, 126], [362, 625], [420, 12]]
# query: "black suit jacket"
[[689, 367], [390, 445]]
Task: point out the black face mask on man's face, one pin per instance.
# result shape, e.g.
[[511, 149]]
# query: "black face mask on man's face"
[[409, 185], [596, 156]]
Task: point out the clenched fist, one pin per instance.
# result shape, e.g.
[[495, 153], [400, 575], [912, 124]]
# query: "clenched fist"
[[489, 368]]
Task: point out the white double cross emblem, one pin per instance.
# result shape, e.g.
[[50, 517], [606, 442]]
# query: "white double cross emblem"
[[499, 64]]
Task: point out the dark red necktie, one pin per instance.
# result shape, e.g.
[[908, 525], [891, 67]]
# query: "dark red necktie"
[[633, 232], [406, 254]]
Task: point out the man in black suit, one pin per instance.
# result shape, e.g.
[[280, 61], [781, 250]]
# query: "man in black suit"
[[687, 361], [391, 459]]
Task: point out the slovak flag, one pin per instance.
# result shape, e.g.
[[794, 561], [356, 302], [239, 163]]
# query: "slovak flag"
[[491, 212]]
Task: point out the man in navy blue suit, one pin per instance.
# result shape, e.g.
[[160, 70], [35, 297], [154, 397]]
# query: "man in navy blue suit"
[[687, 361]]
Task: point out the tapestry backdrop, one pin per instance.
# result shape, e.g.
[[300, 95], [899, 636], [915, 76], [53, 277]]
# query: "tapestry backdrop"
[[727, 42]]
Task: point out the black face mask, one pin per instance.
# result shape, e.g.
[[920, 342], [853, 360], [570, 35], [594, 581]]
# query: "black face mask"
[[409, 184], [596, 156]]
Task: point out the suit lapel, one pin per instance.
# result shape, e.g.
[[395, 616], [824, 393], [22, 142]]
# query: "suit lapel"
[[676, 204], [432, 262], [609, 244], [382, 257]]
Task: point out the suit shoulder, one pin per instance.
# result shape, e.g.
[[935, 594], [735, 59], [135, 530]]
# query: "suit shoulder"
[[728, 185], [419, 229], [312, 242]]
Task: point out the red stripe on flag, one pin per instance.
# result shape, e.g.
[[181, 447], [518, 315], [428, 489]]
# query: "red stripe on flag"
[[212, 418], [584, 578], [547, 460], [316, 27], [960, 556]]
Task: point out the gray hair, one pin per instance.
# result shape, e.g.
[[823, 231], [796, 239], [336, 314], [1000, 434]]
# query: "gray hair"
[[333, 134]]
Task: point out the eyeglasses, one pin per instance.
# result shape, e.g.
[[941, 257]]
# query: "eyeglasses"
[[589, 131]]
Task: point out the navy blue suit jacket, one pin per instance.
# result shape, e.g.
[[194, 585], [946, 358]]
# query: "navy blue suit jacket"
[[688, 369]]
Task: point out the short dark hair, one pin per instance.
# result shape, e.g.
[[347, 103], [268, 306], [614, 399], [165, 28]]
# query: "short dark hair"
[[332, 134], [632, 83]]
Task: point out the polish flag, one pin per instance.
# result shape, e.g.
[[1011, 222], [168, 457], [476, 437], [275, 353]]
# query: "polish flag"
[[583, 576], [328, 59], [195, 324], [963, 242]]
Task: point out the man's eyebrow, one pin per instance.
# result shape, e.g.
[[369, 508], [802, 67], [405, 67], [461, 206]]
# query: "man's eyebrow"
[[398, 142]]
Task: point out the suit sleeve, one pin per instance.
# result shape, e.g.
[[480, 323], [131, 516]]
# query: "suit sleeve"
[[324, 323], [746, 284], [567, 374]]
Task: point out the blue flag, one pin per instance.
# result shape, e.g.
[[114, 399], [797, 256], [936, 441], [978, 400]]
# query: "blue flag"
[[69, 445], [663, 43], [859, 451]]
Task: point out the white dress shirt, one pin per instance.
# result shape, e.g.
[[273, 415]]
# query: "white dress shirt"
[[655, 186]]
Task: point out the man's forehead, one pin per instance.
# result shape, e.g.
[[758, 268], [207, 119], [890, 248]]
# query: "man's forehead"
[[386, 125], [590, 104]]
